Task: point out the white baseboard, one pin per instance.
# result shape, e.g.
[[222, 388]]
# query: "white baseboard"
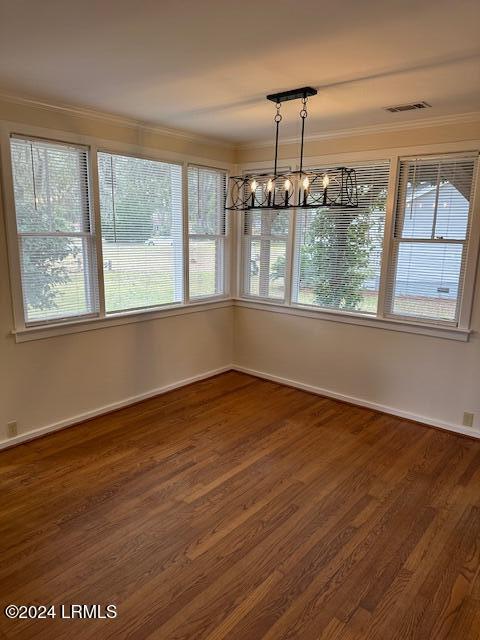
[[448, 426], [41, 431], [81, 417]]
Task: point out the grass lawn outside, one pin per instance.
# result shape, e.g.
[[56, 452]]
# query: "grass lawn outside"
[[135, 276], [443, 308], [139, 276]]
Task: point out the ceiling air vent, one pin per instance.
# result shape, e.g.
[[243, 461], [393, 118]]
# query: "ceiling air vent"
[[408, 107]]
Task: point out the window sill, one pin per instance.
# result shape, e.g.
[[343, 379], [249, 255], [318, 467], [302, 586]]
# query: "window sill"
[[112, 320], [436, 331], [78, 326]]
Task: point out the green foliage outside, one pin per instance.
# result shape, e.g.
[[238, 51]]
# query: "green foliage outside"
[[135, 198], [206, 197], [336, 253], [48, 203]]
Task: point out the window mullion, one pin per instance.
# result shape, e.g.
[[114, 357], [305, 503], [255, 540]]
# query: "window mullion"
[[290, 257], [97, 229], [385, 286], [186, 236], [243, 261]]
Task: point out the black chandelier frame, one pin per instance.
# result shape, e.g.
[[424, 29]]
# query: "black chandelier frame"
[[302, 188]]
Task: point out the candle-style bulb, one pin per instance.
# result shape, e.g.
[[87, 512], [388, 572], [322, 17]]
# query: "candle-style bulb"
[[325, 181], [287, 184], [270, 185], [253, 186], [306, 183]]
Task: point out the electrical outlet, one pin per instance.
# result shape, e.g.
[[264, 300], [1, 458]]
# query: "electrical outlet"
[[12, 429], [468, 419]]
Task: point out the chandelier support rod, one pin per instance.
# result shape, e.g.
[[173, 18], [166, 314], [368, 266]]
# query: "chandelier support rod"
[[278, 119], [276, 149], [301, 145], [303, 115]]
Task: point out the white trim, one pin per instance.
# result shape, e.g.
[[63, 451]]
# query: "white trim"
[[436, 331], [417, 123], [185, 238], [115, 319], [448, 426], [472, 257], [181, 134], [131, 123], [96, 220], [79, 418], [388, 236], [108, 408]]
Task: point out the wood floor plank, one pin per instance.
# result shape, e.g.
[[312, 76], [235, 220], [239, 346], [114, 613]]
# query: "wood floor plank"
[[243, 509]]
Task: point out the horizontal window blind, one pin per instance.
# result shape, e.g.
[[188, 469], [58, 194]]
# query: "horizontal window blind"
[[56, 248], [265, 252], [338, 251], [206, 229], [431, 233], [141, 214]]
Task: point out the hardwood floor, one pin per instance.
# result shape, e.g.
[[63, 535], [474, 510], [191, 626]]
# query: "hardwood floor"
[[242, 509]]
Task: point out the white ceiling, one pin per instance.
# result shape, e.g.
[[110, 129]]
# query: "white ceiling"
[[206, 65]]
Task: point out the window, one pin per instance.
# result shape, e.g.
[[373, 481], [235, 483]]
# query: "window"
[[142, 232], [431, 233], [265, 253], [342, 261], [338, 251], [206, 231], [56, 248], [153, 242]]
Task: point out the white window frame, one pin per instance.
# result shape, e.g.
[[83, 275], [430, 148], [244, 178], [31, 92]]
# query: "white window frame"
[[462, 321], [89, 237], [295, 275], [223, 274], [142, 156], [101, 319], [381, 319], [243, 266], [264, 239]]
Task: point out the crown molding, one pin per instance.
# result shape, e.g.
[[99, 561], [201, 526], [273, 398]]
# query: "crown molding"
[[131, 123], [473, 116], [180, 134]]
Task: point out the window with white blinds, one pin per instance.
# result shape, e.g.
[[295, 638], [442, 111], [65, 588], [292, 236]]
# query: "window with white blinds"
[[142, 232], [321, 258], [56, 248], [264, 241], [206, 231], [431, 233], [338, 251]]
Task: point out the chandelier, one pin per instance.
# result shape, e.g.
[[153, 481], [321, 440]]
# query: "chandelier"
[[302, 188]]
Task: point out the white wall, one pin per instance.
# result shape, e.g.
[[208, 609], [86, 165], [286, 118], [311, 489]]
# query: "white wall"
[[433, 379]]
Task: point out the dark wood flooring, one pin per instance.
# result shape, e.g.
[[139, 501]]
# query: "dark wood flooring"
[[242, 509]]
